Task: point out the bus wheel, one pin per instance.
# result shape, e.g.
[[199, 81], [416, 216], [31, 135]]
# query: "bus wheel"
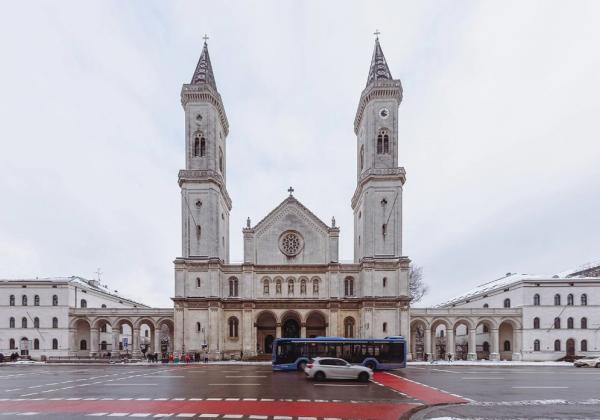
[[363, 377], [301, 366], [370, 365], [319, 376]]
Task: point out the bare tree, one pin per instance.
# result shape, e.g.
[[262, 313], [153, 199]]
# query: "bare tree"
[[416, 285]]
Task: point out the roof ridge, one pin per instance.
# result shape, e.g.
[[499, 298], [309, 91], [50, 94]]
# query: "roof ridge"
[[287, 200]]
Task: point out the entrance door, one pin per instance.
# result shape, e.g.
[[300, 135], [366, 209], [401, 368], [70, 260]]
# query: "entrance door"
[[291, 329], [570, 347], [268, 344]]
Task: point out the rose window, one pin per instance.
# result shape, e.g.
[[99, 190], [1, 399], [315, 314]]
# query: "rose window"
[[290, 243]]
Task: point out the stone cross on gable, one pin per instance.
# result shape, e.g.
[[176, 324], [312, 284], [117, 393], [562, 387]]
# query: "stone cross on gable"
[[205, 38], [377, 33], [98, 272], [290, 190]]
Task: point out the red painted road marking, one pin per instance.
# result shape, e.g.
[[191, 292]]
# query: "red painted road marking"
[[375, 411], [416, 390]]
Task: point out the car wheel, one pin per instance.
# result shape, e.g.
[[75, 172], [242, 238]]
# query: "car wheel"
[[301, 366], [319, 376], [578, 366], [370, 365], [598, 365], [363, 377]]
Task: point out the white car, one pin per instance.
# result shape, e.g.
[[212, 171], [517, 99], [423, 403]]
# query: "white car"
[[588, 361], [321, 368]]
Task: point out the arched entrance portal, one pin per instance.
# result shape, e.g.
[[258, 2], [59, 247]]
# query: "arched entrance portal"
[[266, 329], [315, 325], [570, 348], [291, 329]]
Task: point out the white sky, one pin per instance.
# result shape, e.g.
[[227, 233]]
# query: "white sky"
[[499, 130]]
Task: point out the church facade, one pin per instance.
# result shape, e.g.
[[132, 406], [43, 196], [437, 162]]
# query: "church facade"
[[291, 282]]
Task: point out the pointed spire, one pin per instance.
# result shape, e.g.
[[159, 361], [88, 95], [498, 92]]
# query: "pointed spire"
[[379, 68], [204, 72]]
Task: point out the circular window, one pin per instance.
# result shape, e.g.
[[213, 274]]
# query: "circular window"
[[291, 243]]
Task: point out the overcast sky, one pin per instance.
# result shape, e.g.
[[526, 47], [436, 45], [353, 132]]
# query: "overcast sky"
[[499, 130]]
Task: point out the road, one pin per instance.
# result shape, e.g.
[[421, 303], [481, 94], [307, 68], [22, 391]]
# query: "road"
[[255, 392]]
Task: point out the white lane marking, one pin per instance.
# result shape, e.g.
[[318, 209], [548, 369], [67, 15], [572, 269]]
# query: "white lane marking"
[[233, 384], [29, 413], [117, 414], [447, 371], [540, 387], [247, 376], [338, 385], [282, 418], [163, 415], [232, 399], [213, 399], [209, 415], [259, 417], [233, 416], [130, 385], [196, 399], [250, 399]]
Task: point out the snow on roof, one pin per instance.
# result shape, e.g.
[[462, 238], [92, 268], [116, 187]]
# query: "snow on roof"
[[583, 267], [81, 282]]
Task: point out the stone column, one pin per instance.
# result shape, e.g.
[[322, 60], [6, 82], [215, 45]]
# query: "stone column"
[[450, 347], [72, 342], [303, 330], [135, 338], [115, 352], [495, 335], [94, 336], [427, 339], [517, 344], [472, 355], [157, 342], [278, 330]]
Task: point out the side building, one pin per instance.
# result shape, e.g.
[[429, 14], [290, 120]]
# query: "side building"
[[35, 315]]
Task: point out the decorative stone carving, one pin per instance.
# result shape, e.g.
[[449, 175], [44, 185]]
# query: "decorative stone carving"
[[291, 243]]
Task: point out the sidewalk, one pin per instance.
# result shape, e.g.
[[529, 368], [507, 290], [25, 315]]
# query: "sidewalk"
[[487, 363]]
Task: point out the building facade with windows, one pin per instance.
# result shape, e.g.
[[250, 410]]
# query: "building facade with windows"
[[291, 282], [36, 319]]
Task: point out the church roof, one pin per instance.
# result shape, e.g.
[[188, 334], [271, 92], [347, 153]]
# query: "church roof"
[[292, 200], [379, 68], [204, 72]]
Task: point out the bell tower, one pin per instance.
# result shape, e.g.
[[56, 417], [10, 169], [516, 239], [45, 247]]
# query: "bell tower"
[[205, 201], [377, 200]]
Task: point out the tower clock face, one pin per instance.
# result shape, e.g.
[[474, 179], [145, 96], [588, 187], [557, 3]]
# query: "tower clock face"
[[384, 113]]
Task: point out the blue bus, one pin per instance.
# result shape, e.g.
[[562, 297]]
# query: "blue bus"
[[377, 354]]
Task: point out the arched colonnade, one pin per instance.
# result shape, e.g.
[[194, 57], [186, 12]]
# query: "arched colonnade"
[[468, 334], [103, 332]]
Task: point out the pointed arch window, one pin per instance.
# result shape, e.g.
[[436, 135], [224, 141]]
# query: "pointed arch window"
[[265, 286], [584, 345], [303, 286], [536, 300], [54, 344], [233, 287], [349, 286], [536, 345], [584, 300], [11, 300], [23, 322], [11, 322], [380, 144], [36, 322], [11, 344], [202, 147], [196, 146], [556, 345], [24, 300], [570, 299], [315, 283], [557, 323], [557, 300], [349, 327], [36, 300], [233, 327], [536, 323], [584, 323], [386, 143], [36, 344], [570, 323]]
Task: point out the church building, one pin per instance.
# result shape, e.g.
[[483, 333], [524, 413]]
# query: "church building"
[[291, 282]]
